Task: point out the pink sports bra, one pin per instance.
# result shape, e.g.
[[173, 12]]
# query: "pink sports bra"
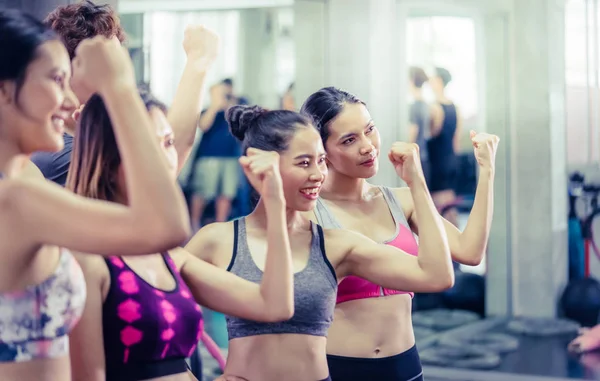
[[353, 287]]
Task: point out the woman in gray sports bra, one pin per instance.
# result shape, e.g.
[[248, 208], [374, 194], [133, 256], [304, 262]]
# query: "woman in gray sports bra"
[[295, 350]]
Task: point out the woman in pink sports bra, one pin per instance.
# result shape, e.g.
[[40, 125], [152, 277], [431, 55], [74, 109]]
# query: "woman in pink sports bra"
[[371, 336]]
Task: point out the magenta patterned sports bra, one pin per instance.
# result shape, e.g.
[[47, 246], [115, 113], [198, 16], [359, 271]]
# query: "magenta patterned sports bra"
[[147, 332]]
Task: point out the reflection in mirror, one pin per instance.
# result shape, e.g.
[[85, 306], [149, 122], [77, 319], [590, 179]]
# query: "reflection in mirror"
[[443, 107]]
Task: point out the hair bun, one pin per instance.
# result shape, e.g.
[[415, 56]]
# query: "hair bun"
[[241, 118]]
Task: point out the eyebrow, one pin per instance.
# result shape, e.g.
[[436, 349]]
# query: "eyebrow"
[[350, 134], [307, 156]]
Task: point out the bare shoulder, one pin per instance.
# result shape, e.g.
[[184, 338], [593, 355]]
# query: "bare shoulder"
[[94, 268], [405, 199], [213, 243]]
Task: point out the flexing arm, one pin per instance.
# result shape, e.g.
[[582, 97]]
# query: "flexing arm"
[[156, 217], [86, 339], [430, 271], [386, 265], [469, 246], [201, 46], [273, 299]]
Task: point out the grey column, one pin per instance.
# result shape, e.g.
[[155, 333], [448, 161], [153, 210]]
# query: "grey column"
[[537, 146]]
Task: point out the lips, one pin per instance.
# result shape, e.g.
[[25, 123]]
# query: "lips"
[[58, 122], [311, 193], [369, 162]]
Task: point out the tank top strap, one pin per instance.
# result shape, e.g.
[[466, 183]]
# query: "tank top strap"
[[241, 251], [318, 256], [324, 216], [172, 267], [394, 206]]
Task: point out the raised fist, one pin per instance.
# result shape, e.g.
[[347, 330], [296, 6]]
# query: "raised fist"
[[202, 46], [406, 160], [262, 169], [101, 64]]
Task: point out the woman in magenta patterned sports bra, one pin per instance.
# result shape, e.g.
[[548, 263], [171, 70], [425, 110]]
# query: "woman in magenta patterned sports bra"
[[371, 336], [141, 319]]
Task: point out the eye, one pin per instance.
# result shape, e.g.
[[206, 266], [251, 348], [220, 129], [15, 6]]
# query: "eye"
[[348, 141], [169, 142], [322, 160], [304, 163], [370, 129], [59, 79]]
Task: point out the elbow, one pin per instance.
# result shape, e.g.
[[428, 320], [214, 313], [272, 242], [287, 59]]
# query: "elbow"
[[469, 259], [166, 236], [279, 314], [472, 261], [442, 283]]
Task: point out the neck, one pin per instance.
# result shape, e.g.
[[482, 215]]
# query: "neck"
[[338, 186], [417, 94], [259, 217], [12, 160]]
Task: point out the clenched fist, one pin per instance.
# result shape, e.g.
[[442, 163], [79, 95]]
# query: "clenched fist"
[[407, 161], [262, 169], [201, 46], [485, 146], [100, 64]]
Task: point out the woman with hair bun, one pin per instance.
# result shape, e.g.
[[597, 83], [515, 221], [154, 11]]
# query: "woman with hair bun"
[[295, 350]]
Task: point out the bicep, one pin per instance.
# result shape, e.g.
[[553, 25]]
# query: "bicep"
[[52, 215], [388, 266], [86, 339], [221, 290]]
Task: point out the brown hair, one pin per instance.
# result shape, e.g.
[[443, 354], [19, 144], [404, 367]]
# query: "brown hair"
[[418, 76], [95, 159], [77, 22]]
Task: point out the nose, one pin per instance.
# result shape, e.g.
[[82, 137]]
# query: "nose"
[[367, 148], [318, 174], [70, 103]]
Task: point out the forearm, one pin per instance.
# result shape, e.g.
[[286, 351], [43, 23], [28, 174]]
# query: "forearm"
[[207, 119], [434, 251], [152, 192], [186, 107], [277, 286], [473, 240]]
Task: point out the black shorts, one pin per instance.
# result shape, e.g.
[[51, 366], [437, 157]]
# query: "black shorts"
[[405, 366]]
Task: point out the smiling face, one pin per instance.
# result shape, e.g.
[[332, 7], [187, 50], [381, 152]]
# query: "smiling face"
[[303, 169], [353, 142], [35, 112]]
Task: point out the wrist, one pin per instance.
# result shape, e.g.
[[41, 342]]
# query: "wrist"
[[486, 172], [274, 202], [195, 69], [417, 184]]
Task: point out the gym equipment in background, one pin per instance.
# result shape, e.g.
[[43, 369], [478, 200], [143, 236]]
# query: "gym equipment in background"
[[467, 294], [443, 319]]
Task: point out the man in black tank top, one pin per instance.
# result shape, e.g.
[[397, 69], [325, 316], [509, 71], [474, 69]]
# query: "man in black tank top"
[[443, 144]]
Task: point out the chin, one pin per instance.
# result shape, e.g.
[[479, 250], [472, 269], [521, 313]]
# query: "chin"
[[305, 205]]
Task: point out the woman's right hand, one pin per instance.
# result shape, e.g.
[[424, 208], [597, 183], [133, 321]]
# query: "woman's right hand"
[[262, 169], [102, 64]]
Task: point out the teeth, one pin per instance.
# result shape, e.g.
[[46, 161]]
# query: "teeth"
[[310, 190], [58, 121]]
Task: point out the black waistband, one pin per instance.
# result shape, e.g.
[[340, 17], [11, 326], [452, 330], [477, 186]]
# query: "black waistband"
[[144, 371]]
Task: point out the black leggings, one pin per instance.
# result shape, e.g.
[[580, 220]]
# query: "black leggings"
[[405, 366]]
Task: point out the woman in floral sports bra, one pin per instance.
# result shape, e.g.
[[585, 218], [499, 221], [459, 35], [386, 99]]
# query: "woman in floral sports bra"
[[42, 289], [142, 317], [371, 336]]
